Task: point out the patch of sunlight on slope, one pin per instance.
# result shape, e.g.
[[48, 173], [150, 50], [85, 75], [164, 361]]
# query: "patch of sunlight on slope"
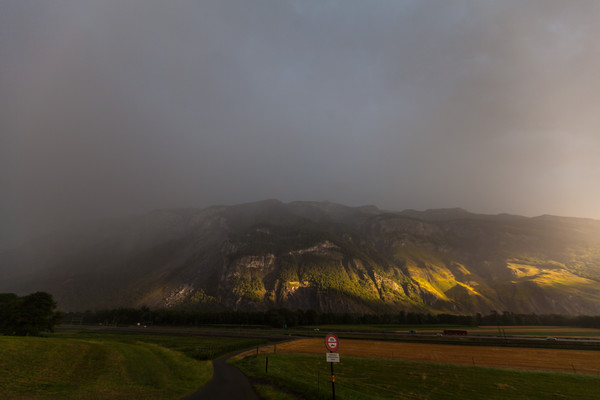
[[436, 279], [546, 276], [471, 291], [557, 278], [462, 269], [430, 271]]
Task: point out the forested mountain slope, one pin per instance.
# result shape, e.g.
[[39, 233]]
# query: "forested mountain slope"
[[321, 256]]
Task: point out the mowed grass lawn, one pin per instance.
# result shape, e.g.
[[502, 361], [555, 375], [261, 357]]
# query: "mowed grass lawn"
[[198, 347], [50, 368], [370, 379], [92, 365]]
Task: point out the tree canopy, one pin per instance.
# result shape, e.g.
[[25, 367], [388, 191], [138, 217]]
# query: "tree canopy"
[[27, 315]]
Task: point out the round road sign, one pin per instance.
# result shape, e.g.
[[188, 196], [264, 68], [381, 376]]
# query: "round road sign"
[[332, 342]]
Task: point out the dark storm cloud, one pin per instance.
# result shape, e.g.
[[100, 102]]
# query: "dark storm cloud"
[[118, 107]]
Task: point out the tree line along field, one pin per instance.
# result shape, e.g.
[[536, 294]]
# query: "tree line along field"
[[277, 318], [91, 365]]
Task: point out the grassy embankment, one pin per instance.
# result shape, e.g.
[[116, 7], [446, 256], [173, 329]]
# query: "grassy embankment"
[[108, 366], [370, 379]]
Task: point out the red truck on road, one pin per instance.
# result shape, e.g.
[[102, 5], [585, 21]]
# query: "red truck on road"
[[455, 332]]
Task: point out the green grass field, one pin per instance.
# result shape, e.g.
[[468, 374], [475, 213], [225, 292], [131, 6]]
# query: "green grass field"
[[98, 365], [49, 368], [371, 379]]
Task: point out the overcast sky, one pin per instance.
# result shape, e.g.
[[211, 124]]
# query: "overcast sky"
[[118, 107]]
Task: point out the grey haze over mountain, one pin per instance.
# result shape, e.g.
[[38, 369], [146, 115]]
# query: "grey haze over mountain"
[[110, 108]]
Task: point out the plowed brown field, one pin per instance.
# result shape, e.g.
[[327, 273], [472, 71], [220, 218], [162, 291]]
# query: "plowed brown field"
[[573, 361]]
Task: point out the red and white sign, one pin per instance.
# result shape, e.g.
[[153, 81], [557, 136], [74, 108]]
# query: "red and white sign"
[[332, 342]]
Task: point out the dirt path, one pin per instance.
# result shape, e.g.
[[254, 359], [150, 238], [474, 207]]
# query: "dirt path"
[[228, 383]]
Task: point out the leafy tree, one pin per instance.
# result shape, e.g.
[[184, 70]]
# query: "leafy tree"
[[28, 315]]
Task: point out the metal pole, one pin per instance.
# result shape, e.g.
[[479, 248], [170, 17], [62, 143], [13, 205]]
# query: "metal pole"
[[332, 383]]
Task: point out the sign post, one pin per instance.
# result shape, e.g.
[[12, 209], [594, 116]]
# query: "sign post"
[[332, 343]]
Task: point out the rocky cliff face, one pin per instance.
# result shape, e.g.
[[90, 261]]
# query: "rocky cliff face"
[[320, 256]]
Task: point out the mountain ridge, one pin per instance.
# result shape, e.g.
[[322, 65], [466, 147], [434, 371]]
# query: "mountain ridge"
[[318, 255]]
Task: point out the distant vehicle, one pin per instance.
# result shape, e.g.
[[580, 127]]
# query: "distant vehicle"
[[551, 338], [438, 334], [456, 332], [316, 329], [412, 331]]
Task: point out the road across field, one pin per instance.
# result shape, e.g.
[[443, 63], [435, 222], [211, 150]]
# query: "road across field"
[[556, 360]]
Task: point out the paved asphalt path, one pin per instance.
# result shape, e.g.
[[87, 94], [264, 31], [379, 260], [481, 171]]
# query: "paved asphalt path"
[[228, 383]]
